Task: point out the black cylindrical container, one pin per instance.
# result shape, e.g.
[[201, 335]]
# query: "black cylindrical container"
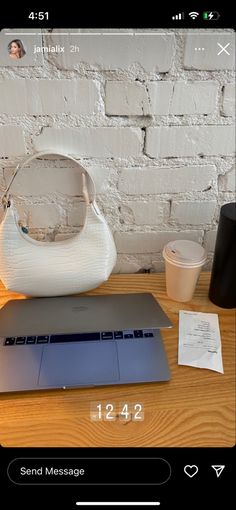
[[222, 290]]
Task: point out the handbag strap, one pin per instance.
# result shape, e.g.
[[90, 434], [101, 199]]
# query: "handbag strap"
[[85, 175]]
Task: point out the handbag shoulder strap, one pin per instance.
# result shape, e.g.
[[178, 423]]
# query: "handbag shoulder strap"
[[85, 176]]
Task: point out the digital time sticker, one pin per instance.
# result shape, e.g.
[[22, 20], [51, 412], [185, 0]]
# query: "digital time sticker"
[[123, 411]]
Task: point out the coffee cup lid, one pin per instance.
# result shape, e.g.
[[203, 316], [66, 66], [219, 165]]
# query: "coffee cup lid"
[[184, 253]]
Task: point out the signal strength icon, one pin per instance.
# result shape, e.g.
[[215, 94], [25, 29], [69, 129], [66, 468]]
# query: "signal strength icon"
[[178, 16], [193, 14]]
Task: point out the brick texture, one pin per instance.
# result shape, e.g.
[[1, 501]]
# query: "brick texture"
[[42, 216], [92, 142], [210, 240], [155, 180], [150, 242], [152, 53], [149, 113], [227, 182], [229, 100], [38, 97], [193, 213], [11, 141], [144, 213], [160, 98], [167, 142]]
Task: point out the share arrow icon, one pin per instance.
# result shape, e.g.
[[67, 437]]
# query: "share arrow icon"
[[218, 469]]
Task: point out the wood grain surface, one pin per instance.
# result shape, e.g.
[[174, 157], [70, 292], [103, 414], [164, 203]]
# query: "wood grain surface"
[[195, 408]]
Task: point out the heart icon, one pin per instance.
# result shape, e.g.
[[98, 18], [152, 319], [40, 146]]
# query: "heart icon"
[[190, 470]]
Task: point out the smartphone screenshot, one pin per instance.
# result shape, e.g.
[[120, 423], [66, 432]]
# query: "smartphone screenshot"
[[117, 258]]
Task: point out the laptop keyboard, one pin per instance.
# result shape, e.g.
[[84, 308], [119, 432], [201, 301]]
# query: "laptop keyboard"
[[78, 337]]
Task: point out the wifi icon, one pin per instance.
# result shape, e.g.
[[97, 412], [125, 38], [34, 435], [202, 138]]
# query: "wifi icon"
[[193, 14]]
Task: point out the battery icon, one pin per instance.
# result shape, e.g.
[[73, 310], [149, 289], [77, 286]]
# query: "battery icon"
[[211, 15]]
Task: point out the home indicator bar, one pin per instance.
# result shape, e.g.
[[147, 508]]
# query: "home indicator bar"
[[118, 503]]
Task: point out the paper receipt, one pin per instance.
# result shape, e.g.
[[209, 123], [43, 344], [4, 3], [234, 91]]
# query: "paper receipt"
[[199, 340]]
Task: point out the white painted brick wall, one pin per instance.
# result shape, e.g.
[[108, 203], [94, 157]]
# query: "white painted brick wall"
[[151, 242], [167, 142], [193, 213], [193, 97], [229, 100], [145, 213], [156, 180], [124, 265], [227, 182], [161, 98], [76, 215], [101, 142], [126, 98], [11, 141], [41, 180], [210, 240], [149, 116], [2, 180], [152, 53], [41, 216], [45, 97]]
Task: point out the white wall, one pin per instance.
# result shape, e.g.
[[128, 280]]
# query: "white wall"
[[150, 117]]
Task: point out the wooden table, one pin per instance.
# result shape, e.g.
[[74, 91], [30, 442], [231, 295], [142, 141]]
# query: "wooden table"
[[195, 408]]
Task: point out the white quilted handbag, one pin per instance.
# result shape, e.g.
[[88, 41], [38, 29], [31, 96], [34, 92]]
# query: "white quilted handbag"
[[74, 265]]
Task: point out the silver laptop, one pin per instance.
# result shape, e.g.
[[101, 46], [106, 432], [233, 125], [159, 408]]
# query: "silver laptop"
[[63, 342]]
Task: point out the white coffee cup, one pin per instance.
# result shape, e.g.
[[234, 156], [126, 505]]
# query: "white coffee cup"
[[183, 263]]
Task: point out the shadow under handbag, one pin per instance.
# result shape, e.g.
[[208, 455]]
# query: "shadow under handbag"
[[74, 265]]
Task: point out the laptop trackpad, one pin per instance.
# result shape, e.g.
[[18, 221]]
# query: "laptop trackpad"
[[79, 364]]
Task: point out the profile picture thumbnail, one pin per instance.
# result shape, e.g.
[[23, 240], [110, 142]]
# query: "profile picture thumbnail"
[[16, 49]]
